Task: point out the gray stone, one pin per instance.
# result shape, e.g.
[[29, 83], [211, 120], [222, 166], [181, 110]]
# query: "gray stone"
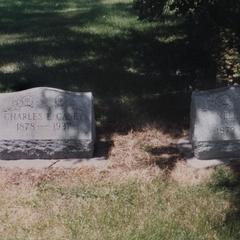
[[98, 163], [185, 147], [46, 123], [215, 123]]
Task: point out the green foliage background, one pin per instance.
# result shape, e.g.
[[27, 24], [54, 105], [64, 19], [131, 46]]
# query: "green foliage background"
[[213, 26]]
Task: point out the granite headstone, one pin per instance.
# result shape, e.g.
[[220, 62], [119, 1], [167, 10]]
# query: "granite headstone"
[[46, 123], [215, 123]]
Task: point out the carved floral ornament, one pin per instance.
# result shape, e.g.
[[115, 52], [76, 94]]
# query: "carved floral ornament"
[[19, 102], [28, 102], [218, 102]]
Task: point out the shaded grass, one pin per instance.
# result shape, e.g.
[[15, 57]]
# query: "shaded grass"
[[66, 207], [97, 46]]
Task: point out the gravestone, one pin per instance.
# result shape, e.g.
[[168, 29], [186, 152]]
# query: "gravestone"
[[215, 123], [46, 123]]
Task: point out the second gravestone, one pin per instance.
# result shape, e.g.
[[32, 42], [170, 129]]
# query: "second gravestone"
[[46, 123], [215, 123]]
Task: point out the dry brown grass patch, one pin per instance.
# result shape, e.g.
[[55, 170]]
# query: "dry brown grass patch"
[[141, 154]]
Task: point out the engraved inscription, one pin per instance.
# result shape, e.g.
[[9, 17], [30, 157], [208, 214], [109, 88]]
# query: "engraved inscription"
[[227, 119], [61, 125], [46, 123], [25, 126], [217, 102], [52, 119], [225, 130], [215, 123], [222, 106], [223, 101], [19, 102], [16, 116], [59, 100]]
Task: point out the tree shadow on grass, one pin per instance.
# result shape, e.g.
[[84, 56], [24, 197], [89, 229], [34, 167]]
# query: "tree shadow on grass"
[[139, 72], [165, 157]]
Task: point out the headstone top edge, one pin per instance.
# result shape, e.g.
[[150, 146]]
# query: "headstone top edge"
[[216, 90], [90, 94]]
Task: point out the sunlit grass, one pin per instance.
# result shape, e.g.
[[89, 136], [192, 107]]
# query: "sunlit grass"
[[68, 208]]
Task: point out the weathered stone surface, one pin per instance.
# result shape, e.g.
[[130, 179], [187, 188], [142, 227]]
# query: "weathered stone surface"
[[215, 123], [185, 147], [46, 123], [98, 162]]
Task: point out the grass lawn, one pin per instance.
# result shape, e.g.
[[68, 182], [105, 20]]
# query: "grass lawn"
[[147, 191], [81, 204], [98, 46]]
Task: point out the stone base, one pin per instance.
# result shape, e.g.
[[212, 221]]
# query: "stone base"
[[214, 149], [45, 149], [38, 164], [186, 148]]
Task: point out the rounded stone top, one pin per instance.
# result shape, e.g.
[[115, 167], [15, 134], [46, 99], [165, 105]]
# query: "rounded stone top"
[[216, 90], [42, 89]]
